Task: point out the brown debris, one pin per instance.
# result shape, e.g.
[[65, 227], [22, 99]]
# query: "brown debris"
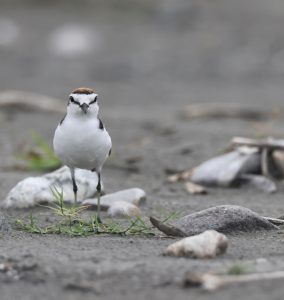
[[195, 189], [180, 176]]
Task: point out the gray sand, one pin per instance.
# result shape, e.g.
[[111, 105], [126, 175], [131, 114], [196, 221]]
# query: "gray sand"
[[151, 62]]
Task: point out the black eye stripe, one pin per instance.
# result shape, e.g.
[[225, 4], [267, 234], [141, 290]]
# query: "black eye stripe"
[[73, 100], [78, 103], [94, 101]]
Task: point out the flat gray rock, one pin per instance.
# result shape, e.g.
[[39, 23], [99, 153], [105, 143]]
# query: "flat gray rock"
[[36, 190], [225, 170], [224, 219]]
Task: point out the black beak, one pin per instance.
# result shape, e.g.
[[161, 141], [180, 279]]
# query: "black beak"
[[84, 107]]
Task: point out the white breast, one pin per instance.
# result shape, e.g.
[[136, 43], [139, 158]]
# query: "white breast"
[[80, 143]]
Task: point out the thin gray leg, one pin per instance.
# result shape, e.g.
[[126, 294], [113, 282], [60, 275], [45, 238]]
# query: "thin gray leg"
[[75, 188], [99, 198]]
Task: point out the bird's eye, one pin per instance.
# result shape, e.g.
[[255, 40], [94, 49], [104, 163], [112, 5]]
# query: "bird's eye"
[[73, 100], [94, 101]]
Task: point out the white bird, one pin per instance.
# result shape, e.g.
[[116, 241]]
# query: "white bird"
[[80, 139]]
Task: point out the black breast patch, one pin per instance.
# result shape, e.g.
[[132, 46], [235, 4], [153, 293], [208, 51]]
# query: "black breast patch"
[[62, 120], [101, 125]]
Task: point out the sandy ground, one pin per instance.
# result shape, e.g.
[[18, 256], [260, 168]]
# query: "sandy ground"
[[148, 64]]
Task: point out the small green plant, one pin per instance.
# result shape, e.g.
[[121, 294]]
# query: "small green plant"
[[171, 217], [237, 269], [69, 214], [70, 221], [32, 226], [41, 157]]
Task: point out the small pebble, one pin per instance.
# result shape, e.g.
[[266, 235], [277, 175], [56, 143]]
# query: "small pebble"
[[208, 244], [133, 196], [123, 209], [195, 189]]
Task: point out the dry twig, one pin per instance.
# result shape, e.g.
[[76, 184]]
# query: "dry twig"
[[211, 282], [269, 143]]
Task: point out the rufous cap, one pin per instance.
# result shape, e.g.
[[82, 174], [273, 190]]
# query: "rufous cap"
[[84, 90]]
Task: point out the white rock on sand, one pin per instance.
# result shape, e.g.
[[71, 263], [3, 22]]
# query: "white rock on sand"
[[134, 196], [208, 244], [123, 209], [36, 190]]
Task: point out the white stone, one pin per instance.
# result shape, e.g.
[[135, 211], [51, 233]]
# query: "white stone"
[[134, 196], [123, 209], [208, 244], [36, 190]]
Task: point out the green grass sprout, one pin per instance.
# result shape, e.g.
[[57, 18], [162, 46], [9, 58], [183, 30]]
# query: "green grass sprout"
[[70, 220], [41, 157], [237, 269], [171, 217]]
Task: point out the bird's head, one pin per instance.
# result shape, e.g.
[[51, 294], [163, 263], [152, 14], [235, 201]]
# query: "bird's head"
[[83, 101]]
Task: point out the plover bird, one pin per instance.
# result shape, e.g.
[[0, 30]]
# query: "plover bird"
[[80, 139]]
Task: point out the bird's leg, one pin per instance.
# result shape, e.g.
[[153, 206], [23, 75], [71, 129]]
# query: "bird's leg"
[[99, 189], [99, 198], [75, 188]]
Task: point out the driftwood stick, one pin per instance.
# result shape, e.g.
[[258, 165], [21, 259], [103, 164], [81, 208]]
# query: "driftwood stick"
[[274, 221], [269, 143], [211, 282], [167, 229]]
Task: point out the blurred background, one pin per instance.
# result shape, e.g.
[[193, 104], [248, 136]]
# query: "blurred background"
[[155, 55], [147, 60]]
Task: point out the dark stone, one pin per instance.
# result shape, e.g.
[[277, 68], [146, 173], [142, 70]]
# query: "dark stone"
[[224, 219]]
